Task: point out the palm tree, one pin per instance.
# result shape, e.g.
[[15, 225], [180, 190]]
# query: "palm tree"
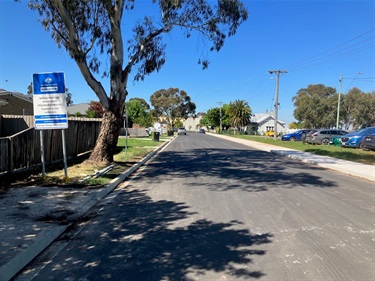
[[240, 113]]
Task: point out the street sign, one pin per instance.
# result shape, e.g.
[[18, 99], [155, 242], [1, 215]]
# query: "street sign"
[[49, 101]]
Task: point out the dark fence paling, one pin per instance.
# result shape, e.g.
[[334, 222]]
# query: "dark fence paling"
[[23, 150]]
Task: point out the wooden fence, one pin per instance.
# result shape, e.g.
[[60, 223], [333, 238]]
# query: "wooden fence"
[[22, 150]]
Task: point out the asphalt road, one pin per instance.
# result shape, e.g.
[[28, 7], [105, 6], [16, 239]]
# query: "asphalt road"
[[209, 209]]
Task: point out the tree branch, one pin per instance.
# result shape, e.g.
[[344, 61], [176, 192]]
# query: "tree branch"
[[79, 56]]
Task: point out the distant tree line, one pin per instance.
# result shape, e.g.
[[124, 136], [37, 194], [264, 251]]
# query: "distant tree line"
[[169, 105], [234, 115], [316, 107]]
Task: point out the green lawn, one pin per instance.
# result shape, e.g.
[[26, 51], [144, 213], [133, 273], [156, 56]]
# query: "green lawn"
[[136, 148], [351, 154]]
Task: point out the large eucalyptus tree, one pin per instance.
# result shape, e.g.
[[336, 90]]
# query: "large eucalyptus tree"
[[89, 28], [172, 104]]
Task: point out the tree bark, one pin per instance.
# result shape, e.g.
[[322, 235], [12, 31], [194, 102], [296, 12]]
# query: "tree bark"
[[106, 143]]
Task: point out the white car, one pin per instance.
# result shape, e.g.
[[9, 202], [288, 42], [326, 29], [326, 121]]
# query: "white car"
[[181, 131]]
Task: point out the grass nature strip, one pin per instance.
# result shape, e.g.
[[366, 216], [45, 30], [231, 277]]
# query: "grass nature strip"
[[127, 154], [350, 154]]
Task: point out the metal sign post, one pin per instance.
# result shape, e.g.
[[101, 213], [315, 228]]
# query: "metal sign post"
[[42, 153], [49, 102]]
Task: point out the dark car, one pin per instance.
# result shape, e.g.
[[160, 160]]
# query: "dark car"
[[323, 136], [296, 136], [368, 142], [354, 139], [201, 131]]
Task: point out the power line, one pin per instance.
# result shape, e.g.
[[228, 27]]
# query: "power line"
[[329, 55]]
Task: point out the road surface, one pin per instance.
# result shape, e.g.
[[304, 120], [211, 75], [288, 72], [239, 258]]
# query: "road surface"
[[210, 209]]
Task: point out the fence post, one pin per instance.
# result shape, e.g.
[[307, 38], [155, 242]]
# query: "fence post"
[[10, 155]]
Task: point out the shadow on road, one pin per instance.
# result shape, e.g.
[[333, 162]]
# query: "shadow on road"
[[226, 169], [138, 240]]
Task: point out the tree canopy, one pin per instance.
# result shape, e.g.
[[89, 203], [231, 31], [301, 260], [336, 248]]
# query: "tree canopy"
[[212, 117], [359, 109], [95, 110], [316, 107], [239, 113], [139, 112], [172, 104], [89, 29]]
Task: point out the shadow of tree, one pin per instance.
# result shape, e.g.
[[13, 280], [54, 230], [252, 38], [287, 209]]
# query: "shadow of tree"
[[225, 169], [141, 239]]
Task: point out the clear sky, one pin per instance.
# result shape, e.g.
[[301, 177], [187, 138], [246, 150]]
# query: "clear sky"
[[315, 41]]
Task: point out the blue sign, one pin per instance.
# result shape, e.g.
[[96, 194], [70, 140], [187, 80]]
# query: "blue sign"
[[49, 101], [49, 83]]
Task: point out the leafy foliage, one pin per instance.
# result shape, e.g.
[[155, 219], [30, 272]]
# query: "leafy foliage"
[[239, 113], [68, 94], [95, 110], [172, 104], [296, 125], [212, 117], [92, 30], [316, 107], [359, 109], [139, 112], [30, 89]]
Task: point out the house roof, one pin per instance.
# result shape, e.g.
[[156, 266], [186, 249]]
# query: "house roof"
[[262, 117], [5, 94], [79, 107]]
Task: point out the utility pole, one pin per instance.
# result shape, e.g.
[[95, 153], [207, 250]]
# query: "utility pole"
[[220, 103], [276, 98], [338, 104], [339, 99]]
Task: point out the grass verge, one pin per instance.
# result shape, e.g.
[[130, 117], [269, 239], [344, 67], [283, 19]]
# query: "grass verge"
[[350, 154], [127, 154]]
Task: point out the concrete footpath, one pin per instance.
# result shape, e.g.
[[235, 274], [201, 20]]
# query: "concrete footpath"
[[33, 217], [347, 167]]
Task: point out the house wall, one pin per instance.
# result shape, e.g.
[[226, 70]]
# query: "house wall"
[[192, 124], [281, 127], [16, 103]]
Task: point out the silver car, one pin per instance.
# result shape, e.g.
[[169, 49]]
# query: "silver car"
[[323, 136], [181, 131]]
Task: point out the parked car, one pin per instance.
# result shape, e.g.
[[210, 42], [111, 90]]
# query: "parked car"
[[270, 133], [354, 139], [308, 137], [296, 136], [323, 136], [368, 142], [201, 131], [181, 131]]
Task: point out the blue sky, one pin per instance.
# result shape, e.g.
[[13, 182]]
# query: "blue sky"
[[315, 41]]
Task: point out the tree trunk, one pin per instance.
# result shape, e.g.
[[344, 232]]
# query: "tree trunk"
[[107, 140]]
